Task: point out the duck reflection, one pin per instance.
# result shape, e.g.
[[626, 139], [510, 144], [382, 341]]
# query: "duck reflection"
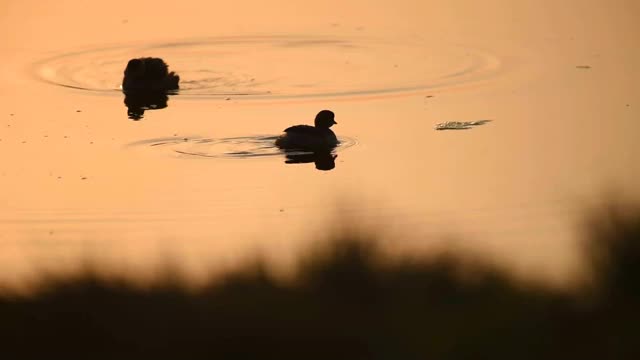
[[138, 102], [147, 84], [324, 160]]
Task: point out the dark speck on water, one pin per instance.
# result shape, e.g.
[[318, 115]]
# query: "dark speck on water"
[[585, 67]]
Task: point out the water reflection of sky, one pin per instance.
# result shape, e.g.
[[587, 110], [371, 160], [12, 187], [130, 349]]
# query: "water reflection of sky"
[[391, 71]]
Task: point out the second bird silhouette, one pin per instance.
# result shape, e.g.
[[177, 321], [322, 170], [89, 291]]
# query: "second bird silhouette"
[[149, 74]]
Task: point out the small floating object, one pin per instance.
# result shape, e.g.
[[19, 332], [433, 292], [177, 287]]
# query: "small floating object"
[[586, 67], [459, 125]]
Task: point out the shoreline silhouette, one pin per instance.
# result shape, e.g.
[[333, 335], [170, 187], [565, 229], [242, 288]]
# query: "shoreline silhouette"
[[348, 300]]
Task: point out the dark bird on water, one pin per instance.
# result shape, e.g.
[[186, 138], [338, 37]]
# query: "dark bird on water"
[[149, 74], [305, 137]]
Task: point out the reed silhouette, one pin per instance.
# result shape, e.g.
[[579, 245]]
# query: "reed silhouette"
[[348, 300]]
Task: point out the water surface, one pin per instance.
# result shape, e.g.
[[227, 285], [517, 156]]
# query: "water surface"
[[197, 179]]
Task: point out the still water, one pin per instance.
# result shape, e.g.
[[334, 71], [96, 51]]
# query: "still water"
[[487, 127]]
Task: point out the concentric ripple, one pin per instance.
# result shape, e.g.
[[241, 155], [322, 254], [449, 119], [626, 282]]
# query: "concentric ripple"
[[271, 67], [230, 148]]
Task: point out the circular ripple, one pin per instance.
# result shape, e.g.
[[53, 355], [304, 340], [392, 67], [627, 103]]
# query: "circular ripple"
[[231, 147], [280, 66]]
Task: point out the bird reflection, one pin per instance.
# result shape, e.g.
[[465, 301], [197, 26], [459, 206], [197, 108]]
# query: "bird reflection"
[[138, 102], [324, 160]]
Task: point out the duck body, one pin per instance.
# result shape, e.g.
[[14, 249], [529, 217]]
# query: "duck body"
[[306, 137], [149, 74]]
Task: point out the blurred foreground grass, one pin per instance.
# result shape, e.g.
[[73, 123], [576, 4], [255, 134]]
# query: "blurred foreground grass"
[[348, 301]]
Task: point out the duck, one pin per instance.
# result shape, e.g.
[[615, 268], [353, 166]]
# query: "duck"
[[306, 137], [149, 74]]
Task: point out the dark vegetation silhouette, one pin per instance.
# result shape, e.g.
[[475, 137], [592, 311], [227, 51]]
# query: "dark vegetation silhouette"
[[349, 300]]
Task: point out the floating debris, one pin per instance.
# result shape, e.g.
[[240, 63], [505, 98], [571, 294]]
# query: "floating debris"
[[459, 125], [586, 67]]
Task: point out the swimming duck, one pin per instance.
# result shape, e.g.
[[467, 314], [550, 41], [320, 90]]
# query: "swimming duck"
[[305, 137], [149, 74]]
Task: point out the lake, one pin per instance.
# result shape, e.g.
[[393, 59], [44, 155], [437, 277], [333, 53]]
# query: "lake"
[[486, 127]]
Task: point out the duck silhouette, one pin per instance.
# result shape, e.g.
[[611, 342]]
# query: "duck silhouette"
[[306, 137], [149, 74]]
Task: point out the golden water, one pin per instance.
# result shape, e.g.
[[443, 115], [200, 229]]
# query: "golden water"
[[196, 181]]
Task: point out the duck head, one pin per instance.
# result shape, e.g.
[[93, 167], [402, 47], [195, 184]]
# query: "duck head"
[[325, 119]]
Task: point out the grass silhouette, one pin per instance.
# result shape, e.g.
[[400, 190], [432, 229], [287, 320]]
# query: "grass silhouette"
[[349, 300]]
